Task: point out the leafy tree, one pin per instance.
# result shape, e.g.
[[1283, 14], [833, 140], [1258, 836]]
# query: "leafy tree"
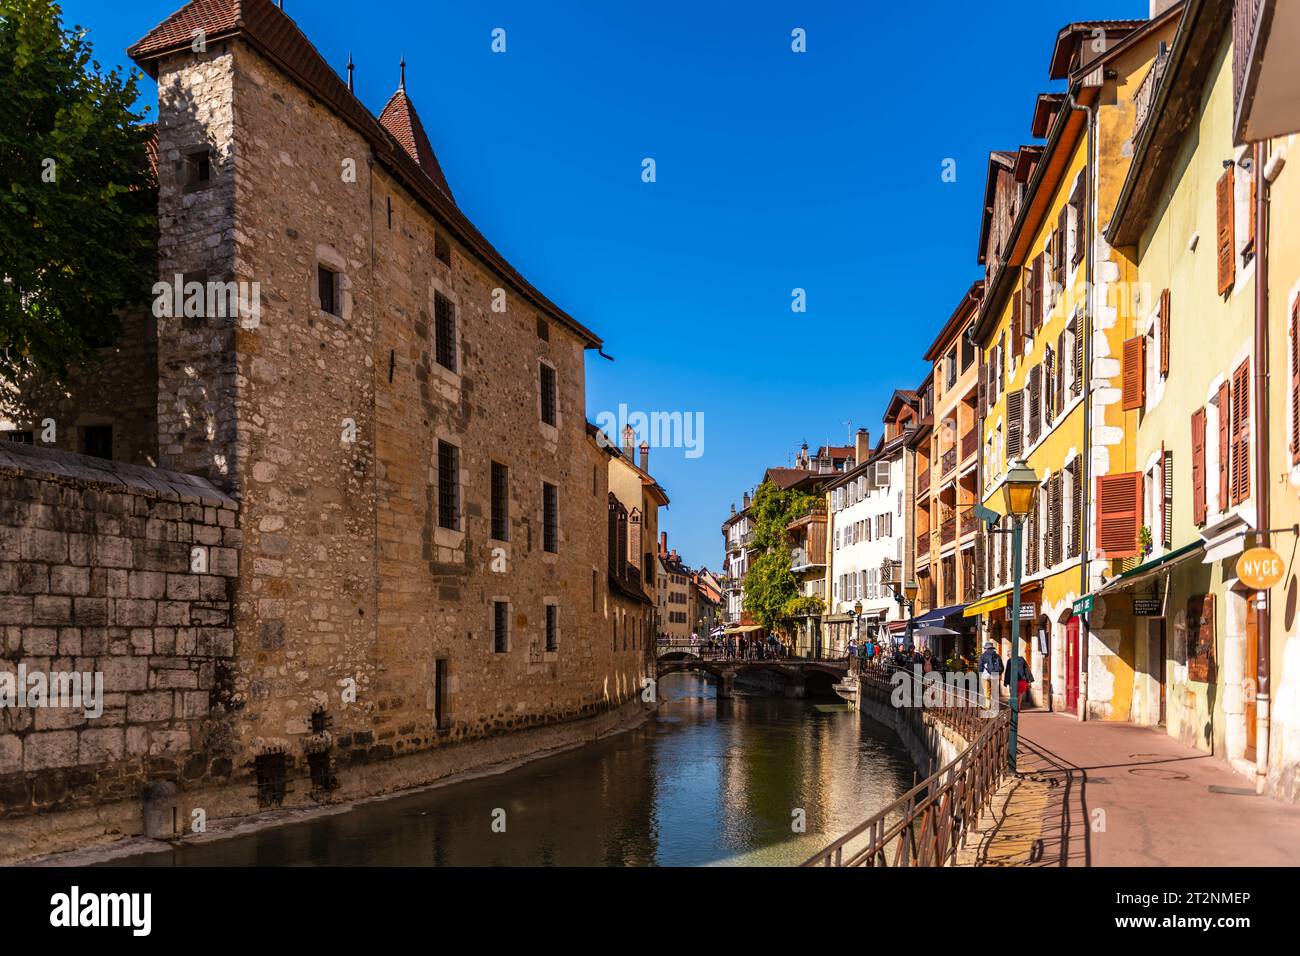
[[771, 589], [77, 215]]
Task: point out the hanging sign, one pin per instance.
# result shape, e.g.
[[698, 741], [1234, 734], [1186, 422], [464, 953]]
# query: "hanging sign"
[[1260, 568]]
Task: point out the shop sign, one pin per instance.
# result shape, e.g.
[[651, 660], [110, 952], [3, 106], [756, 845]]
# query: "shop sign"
[[1260, 568], [1147, 607], [1083, 605]]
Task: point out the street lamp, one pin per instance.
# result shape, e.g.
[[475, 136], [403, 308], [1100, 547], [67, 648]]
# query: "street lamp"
[[1018, 490]]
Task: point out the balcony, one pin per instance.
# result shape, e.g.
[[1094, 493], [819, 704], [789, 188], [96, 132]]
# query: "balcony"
[[969, 522], [801, 561], [1147, 91], [948, 531], [816, 511], [747, 540], [948, 462], [1265, 35], [923, 479], [970, 443], [923, 544]]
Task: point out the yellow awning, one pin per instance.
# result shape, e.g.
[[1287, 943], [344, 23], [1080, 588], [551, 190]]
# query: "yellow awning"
[[988, 604], [746, 629]]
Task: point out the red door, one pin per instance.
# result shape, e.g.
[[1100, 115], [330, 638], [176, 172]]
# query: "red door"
[[1072, 665]]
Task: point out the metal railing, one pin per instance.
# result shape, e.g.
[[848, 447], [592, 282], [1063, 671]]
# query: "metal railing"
[[756, 651], [928, 825], [948, 461]]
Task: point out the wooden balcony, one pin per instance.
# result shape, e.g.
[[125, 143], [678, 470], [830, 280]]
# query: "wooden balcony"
[[1265, 36], [969, 522], [948, 462], [923, 479], [948, 531], [970, 443], [1147, 90], [923, 544]]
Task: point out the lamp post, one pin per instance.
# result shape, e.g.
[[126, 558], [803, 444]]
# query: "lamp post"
[[1018, 490], [910, 590]]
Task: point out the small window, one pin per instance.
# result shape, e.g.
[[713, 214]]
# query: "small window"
[[198, 169], [548, 393], [550, 518], [445, 331], [441, 248], [97, 441], [327, 284], [500, 502], [500, 627], [448, 486], [21, 437], [552, 627]]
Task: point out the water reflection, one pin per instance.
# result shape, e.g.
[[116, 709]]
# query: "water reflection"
[[705, 782]]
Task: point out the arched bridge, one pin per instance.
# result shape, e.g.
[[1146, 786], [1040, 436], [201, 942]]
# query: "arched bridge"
[[678, 657]]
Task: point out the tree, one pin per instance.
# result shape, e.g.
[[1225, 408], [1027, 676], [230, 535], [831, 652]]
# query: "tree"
[[771, 589], [77, 211]]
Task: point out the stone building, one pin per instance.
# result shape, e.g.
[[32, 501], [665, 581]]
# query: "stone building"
[[397, 420]]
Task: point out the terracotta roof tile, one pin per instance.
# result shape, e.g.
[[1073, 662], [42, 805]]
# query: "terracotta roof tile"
[[400, 118]]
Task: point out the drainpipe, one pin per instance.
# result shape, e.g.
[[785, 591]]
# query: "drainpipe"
[[1086, 331], [1261, 461]]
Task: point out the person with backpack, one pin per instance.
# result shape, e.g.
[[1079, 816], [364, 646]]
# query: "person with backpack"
[[1020, 667], [990, 668]]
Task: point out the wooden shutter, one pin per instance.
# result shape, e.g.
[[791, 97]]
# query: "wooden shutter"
[[1076, 200], [1049, 385], [1017, 329], [1055, 516], [1226, 239], [1031, 536], [1015, 424], [1198, 466], [1076, 385], [982, 401], [1035, 404], [1164, 332], [1167, 516], [1225, 445], [1036, 313], [1062, 229], [1241, 433], [1295, 382], [1119, 514], [1134, 387], [1076, 508], [1060, 372]]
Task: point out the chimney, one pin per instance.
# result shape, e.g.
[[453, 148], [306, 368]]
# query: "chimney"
[[629, 442], [745, 502], [862, 446], [645, 457], [663, 542], [733, 507]]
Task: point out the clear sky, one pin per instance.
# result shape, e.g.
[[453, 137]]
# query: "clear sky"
[[775, 170]]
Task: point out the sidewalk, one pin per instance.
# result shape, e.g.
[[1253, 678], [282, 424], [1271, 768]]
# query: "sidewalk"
[[1097, 793]]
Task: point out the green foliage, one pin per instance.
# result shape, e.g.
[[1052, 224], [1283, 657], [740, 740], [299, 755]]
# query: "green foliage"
[[803, 606], [770, 586], [77, 217]]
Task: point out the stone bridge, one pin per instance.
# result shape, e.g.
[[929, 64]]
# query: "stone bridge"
[[796, 673]]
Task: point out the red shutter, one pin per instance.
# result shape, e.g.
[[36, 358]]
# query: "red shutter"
[[1198, 466], [1295, 383], [982, 401], [1225, 447], [1241, 433], [1164, 332], [1134, 382], [1226, 238], [1119, 514], [1017, 329]]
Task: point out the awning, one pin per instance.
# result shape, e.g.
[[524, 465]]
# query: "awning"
[[938, 615], [935, 631], [1226, 538], [987, 604], [744, 629], [897, 625], [1143, 571]]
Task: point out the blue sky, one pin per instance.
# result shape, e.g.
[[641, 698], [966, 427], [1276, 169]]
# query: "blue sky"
[[775, 171]]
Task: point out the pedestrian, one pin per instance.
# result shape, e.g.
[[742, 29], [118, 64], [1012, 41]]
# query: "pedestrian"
[[990, 668], [1019, 667]]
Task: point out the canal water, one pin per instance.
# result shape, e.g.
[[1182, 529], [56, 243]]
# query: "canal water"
[[705, 782]]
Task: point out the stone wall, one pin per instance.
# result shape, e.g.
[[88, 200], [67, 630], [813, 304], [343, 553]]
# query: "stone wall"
[[101, 573]]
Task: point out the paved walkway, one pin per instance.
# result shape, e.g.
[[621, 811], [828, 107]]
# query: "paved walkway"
[[1116, 794]]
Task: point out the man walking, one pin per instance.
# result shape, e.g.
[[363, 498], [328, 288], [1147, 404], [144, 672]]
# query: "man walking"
[[990, 668]]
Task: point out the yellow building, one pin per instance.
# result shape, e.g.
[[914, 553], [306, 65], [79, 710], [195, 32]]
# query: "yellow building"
[[1057, 312], [1185, 215]]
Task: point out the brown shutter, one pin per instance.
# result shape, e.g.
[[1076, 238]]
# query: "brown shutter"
[[1164, 332], [1198, 466], [1062, 229], [1134, 383], [1226, 239], [1076, 200], [1057, 518], [1295, 382], [982, 401], [1060, 372], [1049, 385], [1241, 433], [1015, 424], [1031, 536], [1076, 385], [1119, 514], [1167, 521], [1225, 446], [1036, 314], [1035, 404], [1017, 329], [1076, 508]]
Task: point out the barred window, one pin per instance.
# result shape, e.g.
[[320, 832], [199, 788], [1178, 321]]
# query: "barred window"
[[548, 393], [500, 502], [552, 627], [550, 518], [500, 626], [448, 486], [445, 328]]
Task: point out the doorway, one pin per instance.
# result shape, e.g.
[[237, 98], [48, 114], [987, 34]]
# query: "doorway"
[[1157, 655], [1072, 657]]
